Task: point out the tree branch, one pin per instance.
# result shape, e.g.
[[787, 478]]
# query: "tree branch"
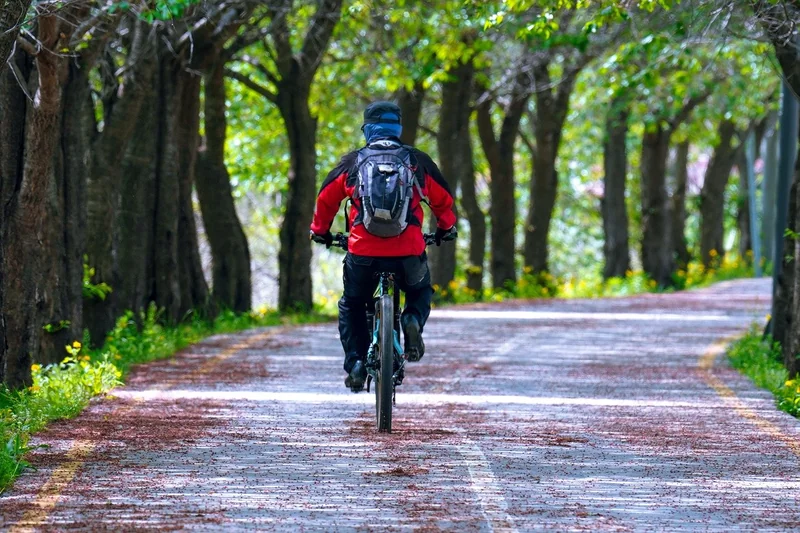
[[200, 24], [688, 107], [27, 46], [319, 34], [531, 147], [248, 38], [253, 62], [427, 129], [279, 31], [516, 108], [486, 133], [252, 85]]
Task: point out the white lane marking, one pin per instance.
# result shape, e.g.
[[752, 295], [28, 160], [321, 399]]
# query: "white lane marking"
[[407, 398], [553, 315], [484, 484]]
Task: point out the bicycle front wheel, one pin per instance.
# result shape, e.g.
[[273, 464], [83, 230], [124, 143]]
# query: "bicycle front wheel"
[[385, 383]]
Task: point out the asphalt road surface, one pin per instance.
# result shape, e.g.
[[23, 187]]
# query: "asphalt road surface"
[[600, 415]]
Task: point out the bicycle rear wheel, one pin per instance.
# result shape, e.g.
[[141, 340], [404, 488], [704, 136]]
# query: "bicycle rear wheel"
[[384, 385]]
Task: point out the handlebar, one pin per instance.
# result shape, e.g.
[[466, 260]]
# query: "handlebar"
[[340, 239]]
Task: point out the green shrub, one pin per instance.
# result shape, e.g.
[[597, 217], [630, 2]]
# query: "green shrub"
[[533, 285], [760, 359]]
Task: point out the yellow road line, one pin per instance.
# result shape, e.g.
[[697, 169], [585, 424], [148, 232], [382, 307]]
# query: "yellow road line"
[[706, 363], [50, 493]]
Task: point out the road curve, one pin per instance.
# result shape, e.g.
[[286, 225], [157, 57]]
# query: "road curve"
[[580, 415]]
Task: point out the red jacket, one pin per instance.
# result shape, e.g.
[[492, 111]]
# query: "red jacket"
[[340, 185]]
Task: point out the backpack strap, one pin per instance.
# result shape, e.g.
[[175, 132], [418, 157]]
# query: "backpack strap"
[[347, 202], [384, 143], [417, 171]]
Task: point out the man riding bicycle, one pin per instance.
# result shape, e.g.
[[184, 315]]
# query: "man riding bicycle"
[[387, 182]]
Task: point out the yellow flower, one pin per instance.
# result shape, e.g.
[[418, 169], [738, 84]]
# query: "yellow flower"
[[769, 317], [36, 368], [35, 388], [713, 253], [77, 345]]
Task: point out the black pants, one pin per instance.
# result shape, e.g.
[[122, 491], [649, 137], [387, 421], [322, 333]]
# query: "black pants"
[[360, 281]]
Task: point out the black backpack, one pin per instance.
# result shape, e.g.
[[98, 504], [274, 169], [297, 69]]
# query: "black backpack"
[[385, 181]]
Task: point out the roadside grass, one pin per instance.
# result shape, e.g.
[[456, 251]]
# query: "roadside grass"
[[760, 359], [544, 285], [63, 390]]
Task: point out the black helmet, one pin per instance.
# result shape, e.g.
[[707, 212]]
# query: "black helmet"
[[376, 110]]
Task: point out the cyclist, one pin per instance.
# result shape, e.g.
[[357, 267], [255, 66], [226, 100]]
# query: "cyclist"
[[386, 181]]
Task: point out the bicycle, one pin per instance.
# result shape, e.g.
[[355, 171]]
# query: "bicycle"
[[385, 358]]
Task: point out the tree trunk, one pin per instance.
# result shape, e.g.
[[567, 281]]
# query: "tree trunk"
[[67, 218], [179, 283], [784, 324], [656, 246], [678, 209], [791, 346], [134, 282], [455, 157], [712, 197], [770, 183], [12, 13], [784, 265], [294, 258], [26, 304], [500, 154], [552, 105], [461, 147], [294, 76], [104, 189], [194, 288], [13, 104], [477, 225], [743, 206], [230, 255], [615, 213], [167, 285], [410, 103]]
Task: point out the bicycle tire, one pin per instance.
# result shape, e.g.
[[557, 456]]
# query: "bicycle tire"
[[384, 385]]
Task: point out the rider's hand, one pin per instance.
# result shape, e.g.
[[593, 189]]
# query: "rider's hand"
[[326, 238], [440, 235]]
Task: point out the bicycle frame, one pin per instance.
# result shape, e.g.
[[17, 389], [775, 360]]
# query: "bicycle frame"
[[385, 286], [379, 347]]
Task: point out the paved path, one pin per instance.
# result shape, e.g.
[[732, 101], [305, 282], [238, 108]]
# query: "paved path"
[[601, 415]]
